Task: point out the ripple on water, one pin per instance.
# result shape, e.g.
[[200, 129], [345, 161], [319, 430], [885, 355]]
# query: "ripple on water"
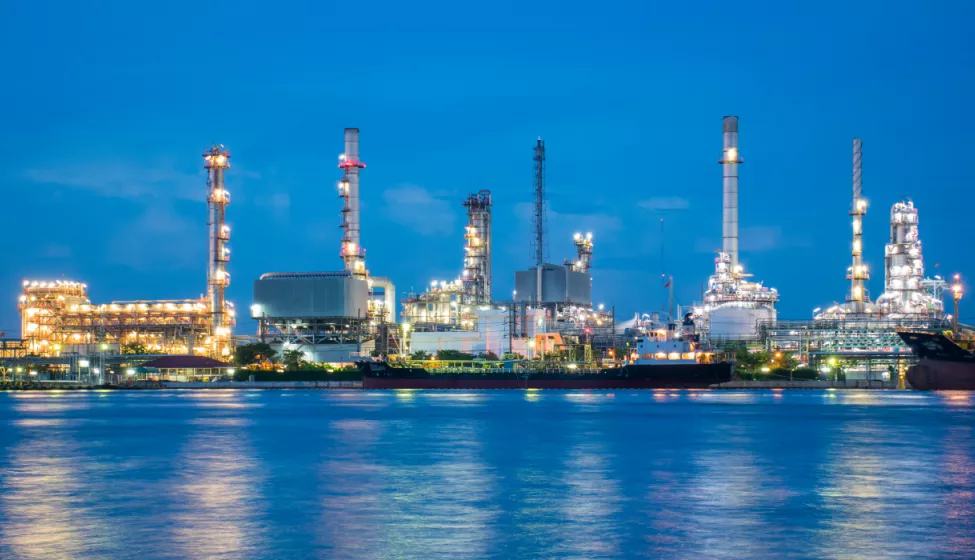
[[505, 474]]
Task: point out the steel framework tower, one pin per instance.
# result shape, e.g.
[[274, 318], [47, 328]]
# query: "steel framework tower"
[[858, 272], [352, 252], [539, 218], [583, 245], [477, 248], [216, 161], [729, 166]]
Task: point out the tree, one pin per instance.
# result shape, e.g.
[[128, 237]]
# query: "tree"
[[256, 353], [750, 362], [293, 359], [420, 355], [489, 355]]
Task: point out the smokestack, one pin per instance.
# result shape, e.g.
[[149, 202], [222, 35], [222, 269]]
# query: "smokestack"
[[729, 167], [216, 161], [352, 252], [858, 272]]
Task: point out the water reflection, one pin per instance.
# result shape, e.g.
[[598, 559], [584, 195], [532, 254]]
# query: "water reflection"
[[439, 498], [870, 487], [216, 493], [506, 474], [588, 528], [44, 511], [958, 479]]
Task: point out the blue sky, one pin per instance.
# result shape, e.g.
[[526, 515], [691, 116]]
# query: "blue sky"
[[106, 107]]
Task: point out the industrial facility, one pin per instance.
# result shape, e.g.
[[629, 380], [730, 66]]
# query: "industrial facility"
[[58, 319], [907, 295], [734, 305], [860, 335], [548, 299], [339, 316], [329, 316], [452, 305], [553, 286]]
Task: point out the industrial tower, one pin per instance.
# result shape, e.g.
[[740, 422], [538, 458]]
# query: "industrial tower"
[[352, 252], [583, 260], [734, 305], [539, 217], [477, 248], [907, 293], [729, 165], [216, 161], [858, 274]]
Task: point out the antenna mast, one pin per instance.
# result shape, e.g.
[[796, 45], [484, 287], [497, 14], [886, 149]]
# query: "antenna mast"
[[539, 218]]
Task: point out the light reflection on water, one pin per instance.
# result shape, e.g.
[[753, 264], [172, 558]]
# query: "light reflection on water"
[[506, 474]]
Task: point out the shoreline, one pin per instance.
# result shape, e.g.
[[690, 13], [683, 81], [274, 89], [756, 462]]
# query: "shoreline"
[[357, 385]]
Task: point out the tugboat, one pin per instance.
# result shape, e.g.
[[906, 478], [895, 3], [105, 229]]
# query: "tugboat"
[[943, 365]]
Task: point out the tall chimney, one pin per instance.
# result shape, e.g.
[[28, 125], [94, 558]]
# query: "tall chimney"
[[352, 252], [729, 167]]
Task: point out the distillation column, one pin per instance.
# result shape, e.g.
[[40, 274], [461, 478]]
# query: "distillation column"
[[216, 161], [352, 252], [858, 272], [729, 166], [477, 248]]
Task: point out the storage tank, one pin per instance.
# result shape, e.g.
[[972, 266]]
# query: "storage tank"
[[311, 294], [558, 283], [733, 321]]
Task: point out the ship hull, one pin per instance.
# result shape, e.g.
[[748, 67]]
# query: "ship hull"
[[678, 376], [942, 365], [937, 375]]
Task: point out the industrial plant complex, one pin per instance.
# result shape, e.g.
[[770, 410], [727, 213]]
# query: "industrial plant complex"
[[349, 314]]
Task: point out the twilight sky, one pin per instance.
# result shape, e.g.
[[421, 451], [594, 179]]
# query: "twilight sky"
[[106, 107]]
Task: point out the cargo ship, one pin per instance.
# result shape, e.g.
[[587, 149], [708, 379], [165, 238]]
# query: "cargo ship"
[[381, 375], [942, 365], [655, 364]]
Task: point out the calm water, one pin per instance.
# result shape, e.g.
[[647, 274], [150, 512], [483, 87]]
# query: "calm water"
[[508, 474]]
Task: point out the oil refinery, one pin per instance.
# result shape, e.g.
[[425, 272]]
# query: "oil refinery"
[[734, 305], [330, 316], [59, 321], [344, 315], [860, 332]]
